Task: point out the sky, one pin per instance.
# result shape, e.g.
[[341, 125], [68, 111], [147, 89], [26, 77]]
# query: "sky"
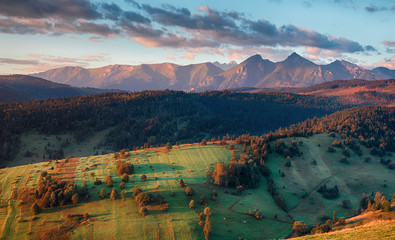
[[37, 35]]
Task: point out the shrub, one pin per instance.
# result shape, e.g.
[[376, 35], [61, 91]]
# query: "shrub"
[[144, 177], [192, 204], [368, 159], [203, 142], [97, 181], [189, 191], [74, 198], [207, 211], [299, 228], [168, 146], [103, 193], [331, 150], [36, 209], [143, 199], [122, 185], [257, 214], [86, 215], [125, 178], [109, 182], [342, 221], [182, 184], [344, 160], [113, 194], [143, 211], [124, 168], [136, 191]]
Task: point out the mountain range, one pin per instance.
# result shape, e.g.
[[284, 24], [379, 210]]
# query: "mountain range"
[[294, 71]]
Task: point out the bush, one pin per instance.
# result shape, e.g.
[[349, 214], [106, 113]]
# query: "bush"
[[97, 181], [299, 228], [189, 191], [125, 178], [124, 168], [203, 142], [144, 177], [136, 191], [122, 185], [257, 214], [168, 146], [342, 221], [207, 211], [103, 193], [36, 209], [192, 204], [143, 211], [109, 182], [74, 198], [182, 184], [113, 194]]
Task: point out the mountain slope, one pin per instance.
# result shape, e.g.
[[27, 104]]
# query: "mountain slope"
[[295, 71], [15, 88], [384, 72], [138, 78]]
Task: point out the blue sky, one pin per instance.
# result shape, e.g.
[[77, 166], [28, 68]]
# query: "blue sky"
[[43, 34]]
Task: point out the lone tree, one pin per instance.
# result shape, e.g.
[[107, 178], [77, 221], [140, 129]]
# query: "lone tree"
[[182, 184], [189, 191], [109, 182], [207, 228], [203, 142], [143, 177], [334, 218], [125, 178], [192, 204], [74, 198], [113, 194], [168, 146], [207, 211]]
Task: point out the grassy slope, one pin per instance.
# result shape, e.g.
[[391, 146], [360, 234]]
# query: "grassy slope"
[[375, 230], [120, 220], [303, 178]]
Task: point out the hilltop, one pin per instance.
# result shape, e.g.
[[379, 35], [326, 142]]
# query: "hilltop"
[[16, 88]]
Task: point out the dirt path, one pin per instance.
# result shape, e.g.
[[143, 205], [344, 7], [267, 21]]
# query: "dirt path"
[[324, 181]]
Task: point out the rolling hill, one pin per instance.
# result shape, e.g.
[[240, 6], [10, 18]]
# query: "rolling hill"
[[294, 71], [16, 88]]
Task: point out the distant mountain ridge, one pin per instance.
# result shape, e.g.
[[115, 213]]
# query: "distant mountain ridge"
[[294, 71], [16, 88]]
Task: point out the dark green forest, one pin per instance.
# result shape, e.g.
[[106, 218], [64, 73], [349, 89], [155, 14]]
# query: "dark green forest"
[[157, 117]]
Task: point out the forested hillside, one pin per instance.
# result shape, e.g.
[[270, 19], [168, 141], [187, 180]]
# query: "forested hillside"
[[155, 117]]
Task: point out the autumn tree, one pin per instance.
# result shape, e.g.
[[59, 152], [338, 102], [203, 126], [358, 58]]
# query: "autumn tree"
[[192, 204], [144, 177], [113, 194], [207, 228]]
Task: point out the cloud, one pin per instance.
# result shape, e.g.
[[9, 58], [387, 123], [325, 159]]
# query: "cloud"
[[373, 8], [164, 26], [171, 57], [18, 62], [389, 43], [39, 62], [65, 9], [189, 56], [387, 62]]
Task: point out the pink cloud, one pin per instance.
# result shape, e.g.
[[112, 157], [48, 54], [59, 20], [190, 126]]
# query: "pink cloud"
[[189, 56]]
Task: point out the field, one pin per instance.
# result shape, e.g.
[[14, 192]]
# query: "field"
[[300, 182], [117, 219]]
